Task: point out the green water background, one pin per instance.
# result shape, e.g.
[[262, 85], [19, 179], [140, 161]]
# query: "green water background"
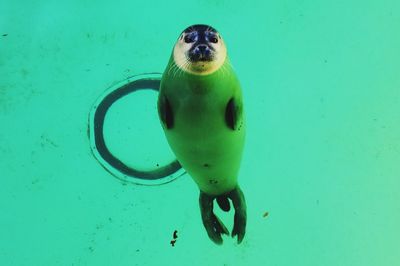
[[322, 93]]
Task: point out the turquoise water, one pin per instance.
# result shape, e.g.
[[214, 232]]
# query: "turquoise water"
[[322, 94]]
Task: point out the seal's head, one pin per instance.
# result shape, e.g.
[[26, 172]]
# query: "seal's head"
[[200, 50]]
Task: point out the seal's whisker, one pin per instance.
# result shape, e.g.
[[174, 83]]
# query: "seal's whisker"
[[223, 70], [178, 71], [228, 63], [175, 71], [171, 67], [169, 70], [186, 65]]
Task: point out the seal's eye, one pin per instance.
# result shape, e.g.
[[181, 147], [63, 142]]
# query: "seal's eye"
[[213, 39], [189, 38]]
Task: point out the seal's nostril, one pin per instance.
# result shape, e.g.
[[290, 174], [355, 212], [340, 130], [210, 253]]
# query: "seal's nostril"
[[202, 48]]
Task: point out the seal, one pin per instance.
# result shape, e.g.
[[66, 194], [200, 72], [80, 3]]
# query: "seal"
[[201, 111]]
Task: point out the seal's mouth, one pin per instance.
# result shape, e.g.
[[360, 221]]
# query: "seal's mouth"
[[200, 58]]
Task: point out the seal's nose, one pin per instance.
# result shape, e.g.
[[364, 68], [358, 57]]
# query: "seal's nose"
[[202, 49]]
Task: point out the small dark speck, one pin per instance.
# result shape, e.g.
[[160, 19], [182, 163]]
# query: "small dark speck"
[[173, 242], [317, 202], [6, 34], [107, 64], [175, 235], [137, 250], [325, 61], [157, 165], [206, 165]]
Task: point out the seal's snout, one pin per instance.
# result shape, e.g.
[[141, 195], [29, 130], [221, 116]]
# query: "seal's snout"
[[201, 53], [202, 48]]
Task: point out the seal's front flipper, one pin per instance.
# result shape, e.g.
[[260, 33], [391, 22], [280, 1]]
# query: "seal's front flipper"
[[239, 203], [212, 224], [165, 112], [233, 113]]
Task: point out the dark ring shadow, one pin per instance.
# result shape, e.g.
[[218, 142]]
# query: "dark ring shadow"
[[99, 142]]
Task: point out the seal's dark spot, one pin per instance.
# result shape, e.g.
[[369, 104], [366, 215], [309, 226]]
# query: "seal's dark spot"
[[230, 114], [166, 113]]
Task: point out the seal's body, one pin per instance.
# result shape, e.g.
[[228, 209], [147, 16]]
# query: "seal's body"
[[200, 107], [206, 146]]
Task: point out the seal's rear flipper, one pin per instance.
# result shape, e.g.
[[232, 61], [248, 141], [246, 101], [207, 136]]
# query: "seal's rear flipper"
[[239, 203], [223, 203], [213, 225]]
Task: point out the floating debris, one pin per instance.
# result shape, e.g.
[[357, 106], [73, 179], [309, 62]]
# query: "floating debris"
[[175, 236]]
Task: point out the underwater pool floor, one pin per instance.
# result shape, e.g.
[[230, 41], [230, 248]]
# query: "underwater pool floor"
[[321, 164]]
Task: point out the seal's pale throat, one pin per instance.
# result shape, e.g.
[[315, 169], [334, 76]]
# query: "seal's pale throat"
[[200, 50]]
